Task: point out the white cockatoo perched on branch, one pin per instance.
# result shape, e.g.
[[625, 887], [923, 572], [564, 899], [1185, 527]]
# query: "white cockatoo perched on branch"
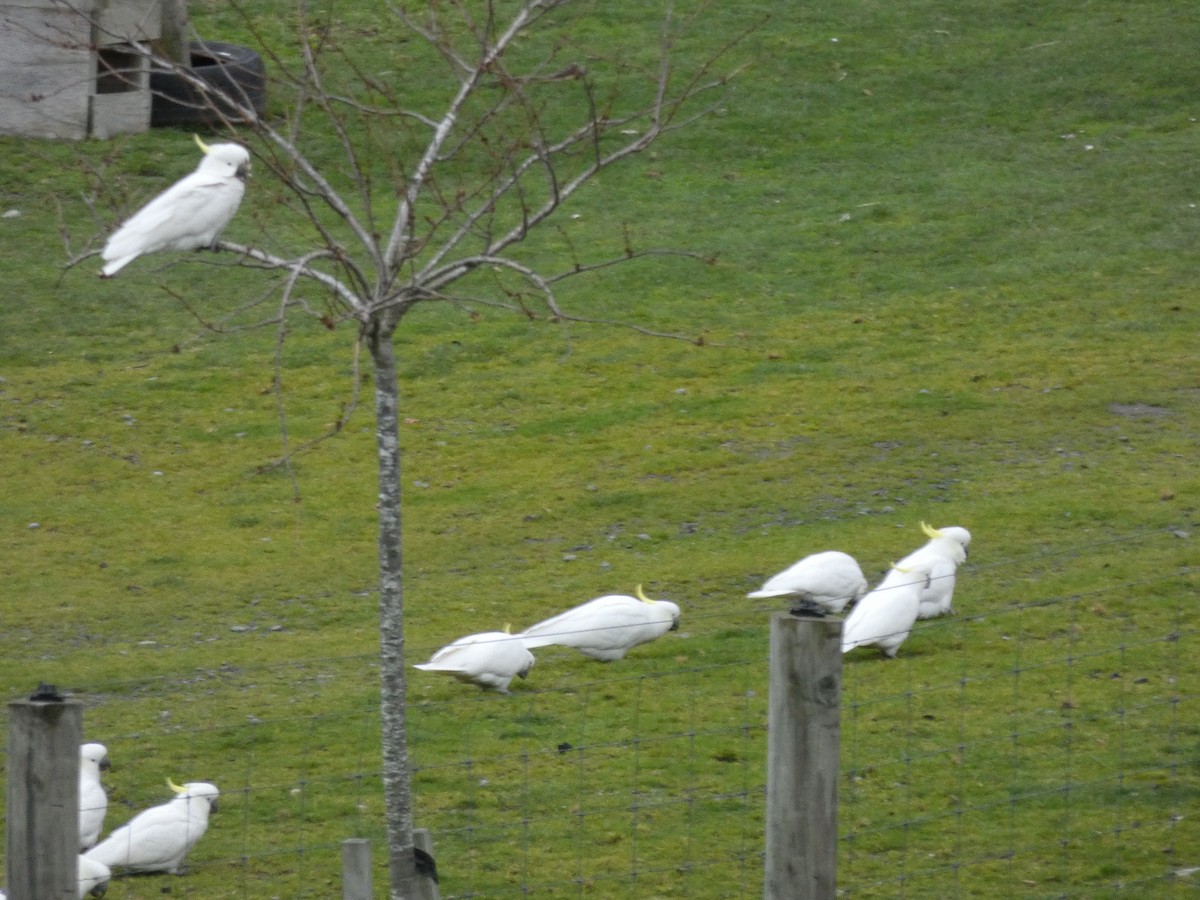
[[608, 627], [885, 616], [938, 561], [490, 659], [186, 216], [93, 801], [824, 581], [158, 839]]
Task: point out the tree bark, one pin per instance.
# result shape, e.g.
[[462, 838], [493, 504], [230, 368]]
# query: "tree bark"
[[396, 788]]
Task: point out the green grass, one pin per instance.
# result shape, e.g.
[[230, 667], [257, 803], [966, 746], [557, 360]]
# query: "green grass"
[[953, 251]]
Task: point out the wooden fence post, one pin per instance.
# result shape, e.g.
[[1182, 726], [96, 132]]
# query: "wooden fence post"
[[804, 725], [356, 869], [44, 734], [427, 885]]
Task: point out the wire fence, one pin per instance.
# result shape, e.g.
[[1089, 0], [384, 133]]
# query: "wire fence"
[[1041, 743]]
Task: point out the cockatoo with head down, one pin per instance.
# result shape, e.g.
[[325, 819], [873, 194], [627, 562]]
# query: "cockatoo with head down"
[[826, 581], [93, 877], [490, 659], [93, 801], [158, 839], [608, 627], [938, 561], [885, 616], [186, 216]]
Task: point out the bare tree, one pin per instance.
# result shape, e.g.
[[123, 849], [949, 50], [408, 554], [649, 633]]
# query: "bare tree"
[[434, 206]]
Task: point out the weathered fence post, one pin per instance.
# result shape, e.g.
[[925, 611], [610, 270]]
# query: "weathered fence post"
[[427, 884], [44, 734], [802, 758], [356, 869]]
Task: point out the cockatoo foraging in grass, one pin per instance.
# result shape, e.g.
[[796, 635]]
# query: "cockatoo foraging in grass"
[[608, 627], [938, 560], [491, 659], [823, 581], [158, 839], [885, 616], [93, 801], [93, 877], [188, 215]]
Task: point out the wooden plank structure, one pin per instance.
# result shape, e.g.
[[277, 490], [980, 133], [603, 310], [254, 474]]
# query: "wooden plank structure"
[[70, 68]]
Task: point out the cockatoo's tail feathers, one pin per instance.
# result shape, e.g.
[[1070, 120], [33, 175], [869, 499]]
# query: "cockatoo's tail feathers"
[[930, 531], [199, 143], [172, 785], [642, 596]]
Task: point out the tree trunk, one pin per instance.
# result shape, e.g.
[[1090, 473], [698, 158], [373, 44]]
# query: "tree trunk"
[[397, 793]]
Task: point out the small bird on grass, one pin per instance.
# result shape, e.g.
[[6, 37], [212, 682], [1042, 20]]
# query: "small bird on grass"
[[823, 582], [608, 627], [93, 801], [158, 839], [188, 215], [490, 659]]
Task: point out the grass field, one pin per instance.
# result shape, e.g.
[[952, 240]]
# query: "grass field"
[[954, 265]]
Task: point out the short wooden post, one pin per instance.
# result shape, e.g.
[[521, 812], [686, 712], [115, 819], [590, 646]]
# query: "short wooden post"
[[804, 725], [44, 734], [427, 885], [356, 869]]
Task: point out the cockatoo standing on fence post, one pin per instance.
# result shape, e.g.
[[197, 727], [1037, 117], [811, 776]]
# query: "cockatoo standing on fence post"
[[186, 216], [824, 581], [158, 839]]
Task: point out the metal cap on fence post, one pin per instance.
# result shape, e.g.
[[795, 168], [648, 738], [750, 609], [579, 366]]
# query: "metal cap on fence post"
[[804, 732], [44, 734]]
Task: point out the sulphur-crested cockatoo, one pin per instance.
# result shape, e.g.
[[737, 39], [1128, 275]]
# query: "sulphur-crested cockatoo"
[[938, 560], [490, 659], [189, 214], [158, 839], [608, 627], [825, 581], [93, 801], [93, 877], [885, 616]]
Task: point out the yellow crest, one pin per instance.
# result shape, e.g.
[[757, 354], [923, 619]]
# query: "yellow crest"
[[642, 596], [930, 531]]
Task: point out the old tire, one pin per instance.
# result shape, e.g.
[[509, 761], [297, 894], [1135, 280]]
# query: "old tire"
[[229, 68]]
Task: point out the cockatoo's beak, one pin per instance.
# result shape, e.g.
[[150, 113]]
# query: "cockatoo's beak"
[[199, 143], [105, 765], [642, 596]]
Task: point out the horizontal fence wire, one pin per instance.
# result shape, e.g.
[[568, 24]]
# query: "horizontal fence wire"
[[1040, 743]]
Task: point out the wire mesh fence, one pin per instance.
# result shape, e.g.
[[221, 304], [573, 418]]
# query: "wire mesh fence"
[[1041, 743]]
